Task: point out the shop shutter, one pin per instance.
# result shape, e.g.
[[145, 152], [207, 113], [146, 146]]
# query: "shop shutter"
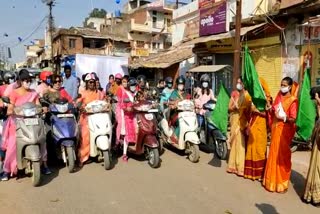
[[268, 63]]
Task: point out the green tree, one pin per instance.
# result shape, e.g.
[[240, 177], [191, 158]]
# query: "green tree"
[[98, 13]]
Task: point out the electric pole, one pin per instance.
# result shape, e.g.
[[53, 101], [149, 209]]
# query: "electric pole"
[[237, 43]]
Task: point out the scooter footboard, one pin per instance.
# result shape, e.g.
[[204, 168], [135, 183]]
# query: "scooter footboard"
[[191, 137], [151, 141]]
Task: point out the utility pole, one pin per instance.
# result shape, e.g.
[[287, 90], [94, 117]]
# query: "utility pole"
[[237, 49]]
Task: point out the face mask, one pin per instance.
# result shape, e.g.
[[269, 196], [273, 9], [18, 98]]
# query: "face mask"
[[205, 84], [26, 85], [285, 90], [169, 85], [37, 80], [132, 88], [11, 81], [180, 87], [239, 86], [125, 85]]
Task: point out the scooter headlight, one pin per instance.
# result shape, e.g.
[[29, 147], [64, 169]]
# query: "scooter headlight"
[[97, 108], [29, 112], [62, 108]]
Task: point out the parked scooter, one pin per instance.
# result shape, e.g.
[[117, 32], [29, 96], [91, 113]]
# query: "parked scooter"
[[100, 127], [298, 142], [210, 135], [147, 142], [64, 131], [30, 137], [188, 139]]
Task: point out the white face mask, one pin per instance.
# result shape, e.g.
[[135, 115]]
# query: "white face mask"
[[181, 87], [26, 85], [285, 90], [205, 84], [133, 88], [239, 86], [11, 81]]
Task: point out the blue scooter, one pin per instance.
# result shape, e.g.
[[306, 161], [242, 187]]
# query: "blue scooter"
[[64, 131]]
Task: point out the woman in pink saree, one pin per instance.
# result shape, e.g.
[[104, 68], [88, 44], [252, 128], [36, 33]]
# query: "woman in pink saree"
[[126, 128], [18, 97]]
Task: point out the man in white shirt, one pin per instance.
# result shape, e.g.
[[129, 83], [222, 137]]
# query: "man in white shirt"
[[70, 83]]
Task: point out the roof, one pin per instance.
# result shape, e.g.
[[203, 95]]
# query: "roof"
[[210, 68], [164, 60], [89, 33], [230, 34]]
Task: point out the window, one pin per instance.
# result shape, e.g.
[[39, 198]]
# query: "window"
[[158, 45], [140, 44], [72, 43], [154, 22], [154, 13], [154, 46]]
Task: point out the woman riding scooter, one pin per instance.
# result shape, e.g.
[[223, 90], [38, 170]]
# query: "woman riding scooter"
[[166, 93], [55, 91], [202, 95], [88, 95]]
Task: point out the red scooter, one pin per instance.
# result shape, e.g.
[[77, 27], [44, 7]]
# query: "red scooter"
[[147, 142]]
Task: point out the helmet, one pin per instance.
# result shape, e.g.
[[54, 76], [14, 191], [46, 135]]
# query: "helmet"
[[95, 75], [44, 75], [205, 78], [90, 76], [180, 80], [132, 81], [7, 76], [118, 76], [141, 78], [169, 80]]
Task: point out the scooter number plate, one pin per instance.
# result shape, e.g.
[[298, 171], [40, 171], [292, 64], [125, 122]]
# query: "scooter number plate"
[[31, 121], [65, 115], [149, 116]]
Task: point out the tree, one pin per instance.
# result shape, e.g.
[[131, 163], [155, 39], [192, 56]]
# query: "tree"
[[98, 13]]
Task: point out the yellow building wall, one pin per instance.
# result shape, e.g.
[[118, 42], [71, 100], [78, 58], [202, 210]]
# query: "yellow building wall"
[[315, 62]]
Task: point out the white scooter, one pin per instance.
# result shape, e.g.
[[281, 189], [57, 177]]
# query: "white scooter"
[[188, 139], [100, 127]]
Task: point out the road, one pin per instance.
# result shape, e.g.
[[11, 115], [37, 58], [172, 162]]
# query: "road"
[[178, 186]]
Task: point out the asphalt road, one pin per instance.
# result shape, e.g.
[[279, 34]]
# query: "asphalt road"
[[178, 186]]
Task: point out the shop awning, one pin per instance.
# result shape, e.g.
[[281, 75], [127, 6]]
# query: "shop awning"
[[230, 34], [210, 68], [164, 60]]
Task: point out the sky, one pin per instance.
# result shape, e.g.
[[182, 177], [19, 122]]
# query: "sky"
[[19, 18]]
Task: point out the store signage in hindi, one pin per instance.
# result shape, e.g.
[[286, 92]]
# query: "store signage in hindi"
[[213, 19], [311, 35]]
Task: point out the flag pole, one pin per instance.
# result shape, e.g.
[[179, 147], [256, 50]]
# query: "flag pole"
[[236, 59]]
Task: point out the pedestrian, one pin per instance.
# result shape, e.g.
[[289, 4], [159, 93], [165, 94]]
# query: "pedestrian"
[[91, 93], [18, 97], [256, 146], [70, 82], [188, 83], [111, 81], [115, 85], [161, 85], [284, 113], [237, 137], [312, 186]]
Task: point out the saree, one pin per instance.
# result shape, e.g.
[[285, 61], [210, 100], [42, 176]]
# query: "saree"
[[256, 148], [237, 139], [86, 97], [278, 167], [312, 187], [9, 132]]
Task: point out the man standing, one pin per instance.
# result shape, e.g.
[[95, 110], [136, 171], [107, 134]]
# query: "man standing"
[[188, 84], [70, 83], [111, 81]]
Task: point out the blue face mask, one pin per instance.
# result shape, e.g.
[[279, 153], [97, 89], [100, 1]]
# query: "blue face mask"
[[169, 85]]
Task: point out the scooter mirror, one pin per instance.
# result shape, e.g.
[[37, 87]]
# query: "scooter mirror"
[[6, 100]]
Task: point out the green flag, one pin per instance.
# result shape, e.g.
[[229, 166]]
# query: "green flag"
[[220, 113], [251, 82], [307, 109]]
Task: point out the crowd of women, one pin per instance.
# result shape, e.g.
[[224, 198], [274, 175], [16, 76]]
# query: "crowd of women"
[[249, 136]]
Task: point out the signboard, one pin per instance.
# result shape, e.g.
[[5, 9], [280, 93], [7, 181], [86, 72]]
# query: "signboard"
[[213, 18], [140, 52], [205, 3], [312, 34]]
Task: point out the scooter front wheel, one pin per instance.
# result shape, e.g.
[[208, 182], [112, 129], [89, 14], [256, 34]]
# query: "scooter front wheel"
[[153, 157], [36, 173], [71, 158], [194, 152], [107, 157], [221, 149]]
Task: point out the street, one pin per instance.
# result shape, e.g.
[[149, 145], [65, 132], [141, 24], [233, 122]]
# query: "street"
[[178, 186]]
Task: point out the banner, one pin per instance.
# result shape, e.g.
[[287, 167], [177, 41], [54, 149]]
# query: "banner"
[[102, 65], [213, 18]]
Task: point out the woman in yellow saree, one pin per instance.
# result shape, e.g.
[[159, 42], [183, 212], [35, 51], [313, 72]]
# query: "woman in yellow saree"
[[278, 168]]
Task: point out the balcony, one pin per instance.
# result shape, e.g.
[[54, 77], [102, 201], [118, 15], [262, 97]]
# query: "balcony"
[[139, 27]]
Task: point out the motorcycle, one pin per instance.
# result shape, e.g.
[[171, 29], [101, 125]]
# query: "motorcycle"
[[64, 131], [30, 137], [297, 142], [210, 135], [147, 142], [100, 128], [188, 139]]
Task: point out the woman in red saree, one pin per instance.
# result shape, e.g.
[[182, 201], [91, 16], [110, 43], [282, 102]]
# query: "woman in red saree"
[[88, 95], [284, 111]]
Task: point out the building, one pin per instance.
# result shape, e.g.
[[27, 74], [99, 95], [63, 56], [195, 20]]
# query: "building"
[[34, 52]]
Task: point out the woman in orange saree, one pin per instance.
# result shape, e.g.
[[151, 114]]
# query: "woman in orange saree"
[[278, 168], [237, 138], [256, 147], [88, 95]]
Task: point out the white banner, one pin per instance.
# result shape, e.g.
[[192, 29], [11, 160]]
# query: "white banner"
[[103, 66]]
